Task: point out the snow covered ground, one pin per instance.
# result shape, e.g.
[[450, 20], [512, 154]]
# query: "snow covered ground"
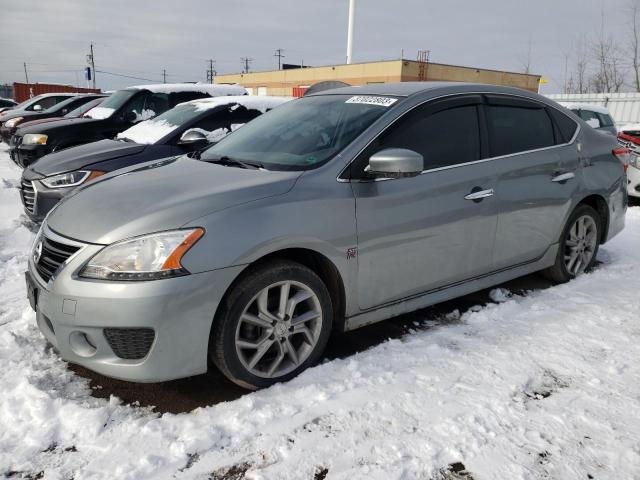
[[545, 385]]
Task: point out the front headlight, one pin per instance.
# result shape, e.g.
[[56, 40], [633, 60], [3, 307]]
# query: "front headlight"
[[71, 179], [149, 257], [34, 139], [13, 122]]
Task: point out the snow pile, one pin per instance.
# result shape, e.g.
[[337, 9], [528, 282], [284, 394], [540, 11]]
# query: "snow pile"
[[262, 104], [540, 386], [148, 132], [100, 113]]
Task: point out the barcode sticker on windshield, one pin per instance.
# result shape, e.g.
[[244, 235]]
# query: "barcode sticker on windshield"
[[371, 100]]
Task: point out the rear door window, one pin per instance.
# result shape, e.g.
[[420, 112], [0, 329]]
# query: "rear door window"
[[518, 128], [566, 127]]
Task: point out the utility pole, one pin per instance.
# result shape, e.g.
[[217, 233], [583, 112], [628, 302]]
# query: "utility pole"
[[93, 67], [280, 57], [352, 20], [211, 72], [26, 75], [164, 76], [246, 61]]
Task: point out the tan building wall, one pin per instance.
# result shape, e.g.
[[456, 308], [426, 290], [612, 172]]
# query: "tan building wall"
[[282, 82]]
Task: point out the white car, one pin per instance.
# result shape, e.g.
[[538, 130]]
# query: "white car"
[[629, 137], [596, 116]]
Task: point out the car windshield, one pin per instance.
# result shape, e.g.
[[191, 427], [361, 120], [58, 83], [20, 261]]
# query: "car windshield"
[[151, 131], [85, 107], [111, 104], [302, 134]]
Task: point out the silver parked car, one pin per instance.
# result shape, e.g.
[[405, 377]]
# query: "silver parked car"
[[330, 212]]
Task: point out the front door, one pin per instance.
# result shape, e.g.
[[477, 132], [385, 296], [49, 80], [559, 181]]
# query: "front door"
[[433, 230]]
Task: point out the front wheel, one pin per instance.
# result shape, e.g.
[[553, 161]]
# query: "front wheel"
[[274, 324], [578, 245]]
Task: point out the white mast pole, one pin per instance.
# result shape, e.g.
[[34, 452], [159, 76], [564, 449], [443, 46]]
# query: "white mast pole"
[[352, 15]]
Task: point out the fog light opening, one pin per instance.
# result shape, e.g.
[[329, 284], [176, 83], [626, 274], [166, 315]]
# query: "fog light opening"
[[82, 344]]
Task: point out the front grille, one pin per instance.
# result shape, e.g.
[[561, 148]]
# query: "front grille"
[[15, 141], [28, 195], [130, 343], [53, 255]]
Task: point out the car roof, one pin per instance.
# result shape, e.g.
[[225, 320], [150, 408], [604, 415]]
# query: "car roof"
[[407, 89], [209, 88]]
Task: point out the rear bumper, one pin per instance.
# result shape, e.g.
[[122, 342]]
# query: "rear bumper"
[[633, 179], [73, 314]]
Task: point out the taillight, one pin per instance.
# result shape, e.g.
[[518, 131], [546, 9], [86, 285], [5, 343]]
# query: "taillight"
[[624, 155]]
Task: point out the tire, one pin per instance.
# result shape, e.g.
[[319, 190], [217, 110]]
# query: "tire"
[[564, 270], [255, 342]]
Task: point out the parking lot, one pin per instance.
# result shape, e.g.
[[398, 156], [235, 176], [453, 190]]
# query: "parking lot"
[[522, 381]]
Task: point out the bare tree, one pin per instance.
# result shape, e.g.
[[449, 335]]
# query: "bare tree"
[[526, 59], [578, 80], [609, 73], [634, 43]]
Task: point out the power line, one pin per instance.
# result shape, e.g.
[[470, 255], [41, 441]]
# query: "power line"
[[280, 57], [128, 76]]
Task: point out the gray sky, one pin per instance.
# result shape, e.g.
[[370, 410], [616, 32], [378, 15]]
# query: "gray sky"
[[140, 38]]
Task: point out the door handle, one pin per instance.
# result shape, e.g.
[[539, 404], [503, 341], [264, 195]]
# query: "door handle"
[[477, 196], [562, 177]]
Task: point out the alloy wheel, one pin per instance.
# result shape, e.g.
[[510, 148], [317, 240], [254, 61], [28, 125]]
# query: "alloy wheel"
[[580, 245], [278, 329]]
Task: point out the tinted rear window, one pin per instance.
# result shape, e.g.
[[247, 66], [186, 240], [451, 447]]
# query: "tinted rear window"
[[518, 129], [566, 126], [605, 120]]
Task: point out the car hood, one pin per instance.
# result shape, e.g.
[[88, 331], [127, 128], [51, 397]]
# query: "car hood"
[[160, 195], [52, 126], [74, 158], [38, 122]]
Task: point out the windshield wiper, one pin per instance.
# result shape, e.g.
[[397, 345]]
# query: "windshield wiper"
[[234, 162]]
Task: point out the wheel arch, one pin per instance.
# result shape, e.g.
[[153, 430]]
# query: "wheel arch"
[[599, 204], [320, 264]]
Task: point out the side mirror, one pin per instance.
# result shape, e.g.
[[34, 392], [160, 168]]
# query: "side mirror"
[[193, 137], [395, 163], [37, 108], [130, 117]]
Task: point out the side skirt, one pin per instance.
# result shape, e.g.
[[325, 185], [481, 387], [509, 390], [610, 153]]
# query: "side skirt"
[[442, 295]]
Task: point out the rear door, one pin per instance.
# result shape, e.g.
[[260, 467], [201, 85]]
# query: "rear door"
[[537, 178], [426, 232]]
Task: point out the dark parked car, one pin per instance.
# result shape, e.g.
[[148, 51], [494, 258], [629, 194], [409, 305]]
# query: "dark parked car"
[[35, 104], [12, 119], [76, 113], [6, 104], [187, 127], [120, 111]]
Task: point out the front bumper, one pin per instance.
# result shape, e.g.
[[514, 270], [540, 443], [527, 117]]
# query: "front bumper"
[[25, 155], [633, 179], [72, 313], [37, 199], [6, 133]]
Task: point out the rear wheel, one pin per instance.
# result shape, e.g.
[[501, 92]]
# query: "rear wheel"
[[578, 245], [274, 324]]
